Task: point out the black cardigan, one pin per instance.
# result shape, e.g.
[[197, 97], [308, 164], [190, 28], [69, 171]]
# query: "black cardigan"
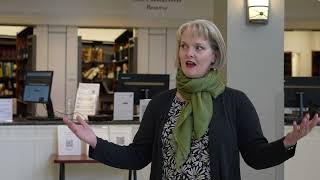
[[234, 127]]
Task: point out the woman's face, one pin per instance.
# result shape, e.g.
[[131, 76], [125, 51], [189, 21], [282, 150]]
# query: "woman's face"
[[195, 54]]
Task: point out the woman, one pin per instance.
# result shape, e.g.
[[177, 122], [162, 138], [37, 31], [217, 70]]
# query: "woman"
[[197, 130]]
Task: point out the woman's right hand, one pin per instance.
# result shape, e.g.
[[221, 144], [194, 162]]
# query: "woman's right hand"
[[82, 130]]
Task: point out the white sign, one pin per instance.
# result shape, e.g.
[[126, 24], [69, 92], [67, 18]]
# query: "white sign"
[[86, 100], [121, 135], [142, 107], [6, 110], [123, 106], [68, 143], [158, 8]]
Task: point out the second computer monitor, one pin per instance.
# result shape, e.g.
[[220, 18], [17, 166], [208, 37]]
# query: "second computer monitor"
[[309, 87], [144, 86]]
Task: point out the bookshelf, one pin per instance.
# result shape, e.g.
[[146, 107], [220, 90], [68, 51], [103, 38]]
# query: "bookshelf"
[[102, 62], [7, 67]]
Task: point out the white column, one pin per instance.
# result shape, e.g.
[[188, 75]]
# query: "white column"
[[57, 50], [255, 66], [72, 63], [57, 62]]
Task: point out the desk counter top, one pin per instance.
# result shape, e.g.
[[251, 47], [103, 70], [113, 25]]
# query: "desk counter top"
[[24, 121]]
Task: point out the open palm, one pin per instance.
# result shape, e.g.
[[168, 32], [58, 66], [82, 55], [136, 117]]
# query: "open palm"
[[82, 130], [301, 130]]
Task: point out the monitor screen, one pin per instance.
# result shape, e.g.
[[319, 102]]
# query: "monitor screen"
[[144, 86], [37, 86], [308, 86]]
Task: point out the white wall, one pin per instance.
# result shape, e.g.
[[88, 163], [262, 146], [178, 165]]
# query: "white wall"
[[301, 44], [220, 18], [255, 66], [26, 153], [305, 159]]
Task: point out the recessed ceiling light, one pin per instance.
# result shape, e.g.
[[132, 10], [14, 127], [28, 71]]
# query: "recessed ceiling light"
[[108, 35], [10, 30]]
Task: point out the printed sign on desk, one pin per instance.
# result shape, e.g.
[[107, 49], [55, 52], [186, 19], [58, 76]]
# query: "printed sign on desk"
[[6, 110], [123, 106], [68, 143], [121, 135], [86, 100], [142, 107]]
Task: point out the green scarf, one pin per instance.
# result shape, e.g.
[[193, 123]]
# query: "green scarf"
[[195, 117]]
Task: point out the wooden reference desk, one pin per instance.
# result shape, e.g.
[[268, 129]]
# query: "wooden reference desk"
[[62, 160]]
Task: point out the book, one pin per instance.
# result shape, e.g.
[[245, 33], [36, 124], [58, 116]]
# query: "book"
[[1, 70]]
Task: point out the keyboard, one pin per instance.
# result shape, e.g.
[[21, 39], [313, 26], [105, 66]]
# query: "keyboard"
[[42, 118], [100, 117]]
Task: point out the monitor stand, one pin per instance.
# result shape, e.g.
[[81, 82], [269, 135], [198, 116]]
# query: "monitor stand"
[[50, 111], [50, 114]]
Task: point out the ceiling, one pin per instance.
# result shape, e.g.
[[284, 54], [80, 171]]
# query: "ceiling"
[[302, 9], [302, 14]]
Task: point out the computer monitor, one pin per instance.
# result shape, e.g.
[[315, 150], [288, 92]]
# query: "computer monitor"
[[309, 86], [144, 86], [302, 92], [37, 89]]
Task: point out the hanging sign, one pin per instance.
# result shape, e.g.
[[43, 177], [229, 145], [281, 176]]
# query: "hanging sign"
[[158, 8]]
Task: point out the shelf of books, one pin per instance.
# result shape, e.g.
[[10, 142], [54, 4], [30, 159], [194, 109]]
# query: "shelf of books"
[[102, 62], [7, 67]]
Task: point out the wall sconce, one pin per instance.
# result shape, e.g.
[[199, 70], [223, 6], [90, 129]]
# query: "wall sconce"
[[258, 11]]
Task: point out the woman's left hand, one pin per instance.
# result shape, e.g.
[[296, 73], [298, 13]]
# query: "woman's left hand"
[[301, 130]]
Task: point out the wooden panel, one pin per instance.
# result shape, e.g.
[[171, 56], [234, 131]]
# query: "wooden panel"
[[143, 50], [41, 33], [71, 64], [157, 54], [57, 63], [171, 67]]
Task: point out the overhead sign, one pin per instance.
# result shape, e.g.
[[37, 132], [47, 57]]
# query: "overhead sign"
[[158, 8]]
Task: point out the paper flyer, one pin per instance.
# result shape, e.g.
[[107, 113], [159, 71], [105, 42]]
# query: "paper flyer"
[[142, 107], [86, 100], [68, 143], [123, 106], [6, 110], [121, 135]]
